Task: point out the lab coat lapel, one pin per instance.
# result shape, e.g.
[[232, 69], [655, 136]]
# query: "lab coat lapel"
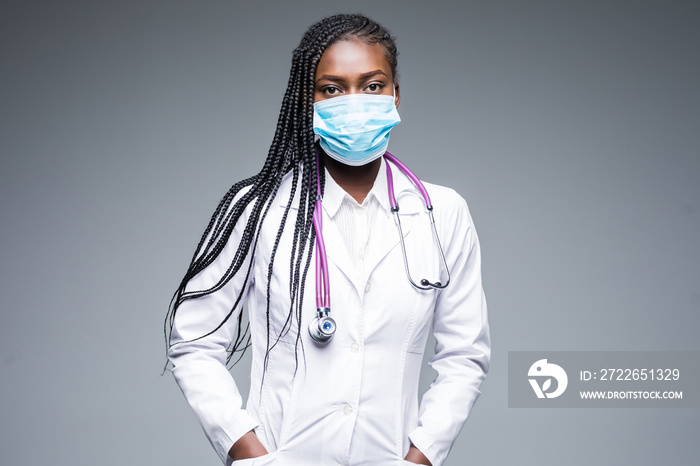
[[385, 237], [335, 248], [285, 190], [385, 232]]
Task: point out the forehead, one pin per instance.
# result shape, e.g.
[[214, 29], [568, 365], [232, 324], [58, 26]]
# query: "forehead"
[[352, 57]]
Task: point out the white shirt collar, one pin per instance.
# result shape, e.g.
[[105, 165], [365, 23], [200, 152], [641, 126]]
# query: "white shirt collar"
[[334, 195]]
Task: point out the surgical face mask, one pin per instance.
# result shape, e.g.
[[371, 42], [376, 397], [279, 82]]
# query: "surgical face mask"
[[354, 129]]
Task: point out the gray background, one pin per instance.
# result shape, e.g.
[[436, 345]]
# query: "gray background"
[[570, 127]]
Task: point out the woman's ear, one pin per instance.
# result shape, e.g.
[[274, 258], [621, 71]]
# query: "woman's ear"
[[397, 98]]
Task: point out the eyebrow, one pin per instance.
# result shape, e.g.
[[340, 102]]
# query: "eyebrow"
[[363, 76]]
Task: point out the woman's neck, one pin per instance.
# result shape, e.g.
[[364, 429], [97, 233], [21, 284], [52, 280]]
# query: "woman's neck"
[[356, 181]]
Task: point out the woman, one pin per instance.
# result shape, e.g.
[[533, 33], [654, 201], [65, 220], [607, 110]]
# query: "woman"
[[338, 390]]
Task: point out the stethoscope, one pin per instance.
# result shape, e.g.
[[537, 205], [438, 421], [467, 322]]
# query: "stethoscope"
[[323, 327]]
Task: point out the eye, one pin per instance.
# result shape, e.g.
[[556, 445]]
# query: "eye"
[[375, 87], [330, 90]]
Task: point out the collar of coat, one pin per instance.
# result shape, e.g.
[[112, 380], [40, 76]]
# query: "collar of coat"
[[334, 194]]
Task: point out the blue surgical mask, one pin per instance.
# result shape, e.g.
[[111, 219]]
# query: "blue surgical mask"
[[354, 129]]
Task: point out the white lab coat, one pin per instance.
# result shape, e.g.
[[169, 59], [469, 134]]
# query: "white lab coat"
[[354, 401]]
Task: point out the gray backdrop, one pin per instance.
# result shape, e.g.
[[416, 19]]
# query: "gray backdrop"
[[570, 127]]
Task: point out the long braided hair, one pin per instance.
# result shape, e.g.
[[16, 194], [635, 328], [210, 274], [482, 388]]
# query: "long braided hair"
[[292, 149]]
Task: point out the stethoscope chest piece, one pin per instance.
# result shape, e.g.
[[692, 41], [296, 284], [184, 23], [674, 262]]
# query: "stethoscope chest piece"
[[322, 327]]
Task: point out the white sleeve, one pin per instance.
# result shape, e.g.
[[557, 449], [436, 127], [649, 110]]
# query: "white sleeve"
[[199, 364], [463, 346]]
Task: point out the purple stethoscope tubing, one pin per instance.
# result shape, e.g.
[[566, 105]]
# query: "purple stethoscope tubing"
[[322, 327], [407, 171], [323, 291]]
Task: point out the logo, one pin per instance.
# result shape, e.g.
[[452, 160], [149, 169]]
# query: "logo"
[[544, 371]]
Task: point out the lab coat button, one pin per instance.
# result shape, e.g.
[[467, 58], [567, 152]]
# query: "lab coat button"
[[347, 410], [368, 287], [355, 348]]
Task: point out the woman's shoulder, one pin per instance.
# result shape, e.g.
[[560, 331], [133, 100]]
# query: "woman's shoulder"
[[450, 208], [446, 197], [281, 191]]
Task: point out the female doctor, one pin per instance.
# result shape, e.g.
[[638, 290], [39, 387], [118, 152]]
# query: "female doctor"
[[343, 262]]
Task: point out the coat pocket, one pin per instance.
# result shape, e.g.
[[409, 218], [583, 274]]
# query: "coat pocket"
[[408, 463], [265, 460]]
